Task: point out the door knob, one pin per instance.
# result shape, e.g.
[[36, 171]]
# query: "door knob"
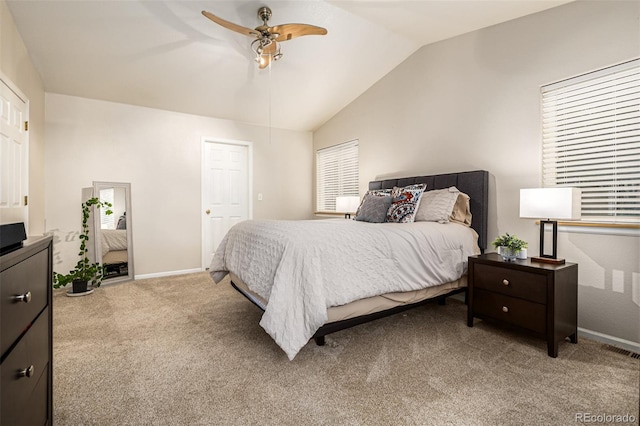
[[207, 211]]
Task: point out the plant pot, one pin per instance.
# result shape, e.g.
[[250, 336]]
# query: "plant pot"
[[79, 286], [508, 254]]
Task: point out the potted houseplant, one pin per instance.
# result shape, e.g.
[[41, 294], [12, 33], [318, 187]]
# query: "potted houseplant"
[[508, 246], [85, 271]]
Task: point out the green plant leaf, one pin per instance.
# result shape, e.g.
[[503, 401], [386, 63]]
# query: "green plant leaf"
[[510, 241]]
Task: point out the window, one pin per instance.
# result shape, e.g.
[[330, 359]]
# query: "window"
[[337, 173], [107, 221], [591, 140]]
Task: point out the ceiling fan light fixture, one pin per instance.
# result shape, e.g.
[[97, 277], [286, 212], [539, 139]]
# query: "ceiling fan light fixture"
[[266, 50], [256, 46]]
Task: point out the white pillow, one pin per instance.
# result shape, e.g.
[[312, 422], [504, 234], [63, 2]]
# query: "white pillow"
[[437, 205]]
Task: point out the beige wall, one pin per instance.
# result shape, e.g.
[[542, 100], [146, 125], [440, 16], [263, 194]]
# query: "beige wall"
[[16, 65], [158, 152], [472, 102]]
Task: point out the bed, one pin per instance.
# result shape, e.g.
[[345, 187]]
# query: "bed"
[[316, 277], [115, 256]]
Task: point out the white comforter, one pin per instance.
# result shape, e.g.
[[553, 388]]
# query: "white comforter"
[[113, 239], [303, 267]]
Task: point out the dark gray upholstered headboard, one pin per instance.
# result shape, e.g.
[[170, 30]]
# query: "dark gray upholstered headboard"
[[475, 184]]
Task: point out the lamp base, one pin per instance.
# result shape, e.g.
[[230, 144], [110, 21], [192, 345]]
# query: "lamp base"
[[550, 260]]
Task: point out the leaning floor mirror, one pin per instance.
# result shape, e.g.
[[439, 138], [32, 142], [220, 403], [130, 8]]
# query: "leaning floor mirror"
[[113, 234]]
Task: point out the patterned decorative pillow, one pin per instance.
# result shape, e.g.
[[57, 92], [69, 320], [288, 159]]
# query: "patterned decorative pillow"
[[379, 192], [373, 208], [404, 203], [438, 205]]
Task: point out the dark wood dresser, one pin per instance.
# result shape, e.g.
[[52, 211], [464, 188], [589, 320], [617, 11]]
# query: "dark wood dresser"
[[26, 382], [538, 297]]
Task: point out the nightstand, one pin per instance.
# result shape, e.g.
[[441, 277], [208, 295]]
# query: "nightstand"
[[537, 297]]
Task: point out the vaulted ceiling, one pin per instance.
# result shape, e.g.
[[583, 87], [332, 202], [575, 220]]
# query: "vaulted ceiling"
[[164, 54]]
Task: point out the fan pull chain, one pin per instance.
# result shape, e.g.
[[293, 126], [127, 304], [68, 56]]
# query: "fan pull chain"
[[270, 103]]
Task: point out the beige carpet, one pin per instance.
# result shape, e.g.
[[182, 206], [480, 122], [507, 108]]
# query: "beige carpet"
[[184, 351]]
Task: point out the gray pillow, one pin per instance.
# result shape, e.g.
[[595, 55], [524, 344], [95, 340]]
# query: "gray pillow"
[[373, 208]]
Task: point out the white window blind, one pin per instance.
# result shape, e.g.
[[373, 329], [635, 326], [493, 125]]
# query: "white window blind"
[[107, 221], [591, 140], [337, 174]]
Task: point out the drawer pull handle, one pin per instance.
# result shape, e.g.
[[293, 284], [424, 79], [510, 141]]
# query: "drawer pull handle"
[[505, 282], [505, 309], [27, 372], [26, 298]]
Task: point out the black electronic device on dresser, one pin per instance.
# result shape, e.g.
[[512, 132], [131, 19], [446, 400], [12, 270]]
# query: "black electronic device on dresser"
[[26, 345], [11, 237], [538, 297]]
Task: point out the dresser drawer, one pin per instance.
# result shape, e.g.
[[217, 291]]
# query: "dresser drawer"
[[524, 285], [25, 398], [510, 310], [29, 276]]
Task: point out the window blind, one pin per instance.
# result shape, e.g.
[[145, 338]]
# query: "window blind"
[[337, 174], [591, 140]]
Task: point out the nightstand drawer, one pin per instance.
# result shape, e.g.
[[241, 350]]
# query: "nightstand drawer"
[[511, 282], [510, 310]]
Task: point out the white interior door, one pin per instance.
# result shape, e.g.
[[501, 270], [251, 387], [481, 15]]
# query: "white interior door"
[[226, 191], [14, 155]]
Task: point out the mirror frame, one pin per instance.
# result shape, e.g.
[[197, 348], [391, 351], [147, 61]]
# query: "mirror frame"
[[97, 186]]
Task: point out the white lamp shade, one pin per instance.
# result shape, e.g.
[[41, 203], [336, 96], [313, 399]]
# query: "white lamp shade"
[[550, 203], [347, 204]]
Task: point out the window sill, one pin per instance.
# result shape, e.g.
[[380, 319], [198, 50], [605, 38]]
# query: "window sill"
[[603, 228], [328, 214]]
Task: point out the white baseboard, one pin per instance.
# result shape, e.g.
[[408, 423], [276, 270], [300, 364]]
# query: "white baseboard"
[[167, 274], [610, 340]]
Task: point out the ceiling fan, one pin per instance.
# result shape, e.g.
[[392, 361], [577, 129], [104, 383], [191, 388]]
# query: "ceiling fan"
[[265, 45]]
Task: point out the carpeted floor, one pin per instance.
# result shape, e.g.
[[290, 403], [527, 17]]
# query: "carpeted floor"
[[184, 351]]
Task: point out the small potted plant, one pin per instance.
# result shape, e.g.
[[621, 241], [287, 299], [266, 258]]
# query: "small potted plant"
[[85, 271], [509, 246]]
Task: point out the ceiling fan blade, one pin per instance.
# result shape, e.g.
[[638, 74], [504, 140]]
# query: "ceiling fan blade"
[[289, 31], [230, 25]]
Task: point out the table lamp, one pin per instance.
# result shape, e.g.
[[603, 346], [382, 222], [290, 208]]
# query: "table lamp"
[[549, 205], [347, 205]]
